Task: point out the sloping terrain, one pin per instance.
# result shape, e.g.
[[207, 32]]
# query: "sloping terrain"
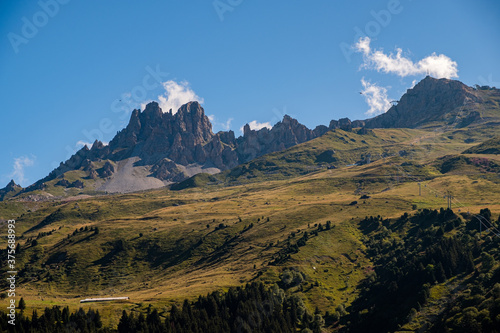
[[158, 148], [338, 149], [491, 146], [434, 103], [341, 225], [162, 246], [10, 190]]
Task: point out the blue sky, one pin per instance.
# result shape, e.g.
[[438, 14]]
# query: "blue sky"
[[72, 71]]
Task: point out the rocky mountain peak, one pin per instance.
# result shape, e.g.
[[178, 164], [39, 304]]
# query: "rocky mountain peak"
[[246, 130], [287, 119], [157, 147], [97, 145], [191, 107], [152, 112], [12, 185], [191, 118], [431, 100], [11, 189]]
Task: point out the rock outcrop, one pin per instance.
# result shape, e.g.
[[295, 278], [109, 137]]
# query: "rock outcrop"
[[152, 134], [168, 170], [107, 170], [164, 147], [431, 100], [285, 134], [63, 182], [169, 144], [10, 190]]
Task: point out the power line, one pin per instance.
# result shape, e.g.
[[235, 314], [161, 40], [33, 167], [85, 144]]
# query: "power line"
[[450, 198]]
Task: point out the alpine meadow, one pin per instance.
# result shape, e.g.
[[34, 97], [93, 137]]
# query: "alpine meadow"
[[369, 202]]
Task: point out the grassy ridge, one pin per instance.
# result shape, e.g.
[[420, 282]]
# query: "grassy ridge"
[[162, 246]]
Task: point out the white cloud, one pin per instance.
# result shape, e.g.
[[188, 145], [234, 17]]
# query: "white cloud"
[[19, 164], [176, 95], [376, 97], [227, 125], [82, 143], [363, 45], [438, 66], [255, 125]]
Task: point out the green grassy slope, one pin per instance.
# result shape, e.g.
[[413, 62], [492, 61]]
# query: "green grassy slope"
[[491, 146], [162, 246], [339, 149]]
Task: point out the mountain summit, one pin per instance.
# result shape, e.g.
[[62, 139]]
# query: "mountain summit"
[[151, 134], [157, 148], [431, 101], [10, 190]]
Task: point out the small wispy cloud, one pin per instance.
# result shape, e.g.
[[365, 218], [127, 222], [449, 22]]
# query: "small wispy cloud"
[[375, 97], [255, 125], [82, 143], [438, 66], [79, 144], [18, 173], [225, 125]]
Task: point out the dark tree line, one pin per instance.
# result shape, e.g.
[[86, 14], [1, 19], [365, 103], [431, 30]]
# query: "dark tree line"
[[55, 320], [411, 254], [252, 309]]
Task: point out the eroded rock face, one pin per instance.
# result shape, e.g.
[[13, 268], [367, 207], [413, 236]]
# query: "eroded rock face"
[[165, 141], [107, 170], [63, 182], [87, 165], [12, 186], [77, 184], [154, 133], [166, 144], [429, 101], [93, 174], [10, 189], [284, 134], [168, 170], [472, 117]]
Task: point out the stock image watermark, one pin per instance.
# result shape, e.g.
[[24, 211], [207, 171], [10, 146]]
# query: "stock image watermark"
[[11, 272], [31, 26], [488, 81], [223, 6], [381, 19], [123, 105]]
